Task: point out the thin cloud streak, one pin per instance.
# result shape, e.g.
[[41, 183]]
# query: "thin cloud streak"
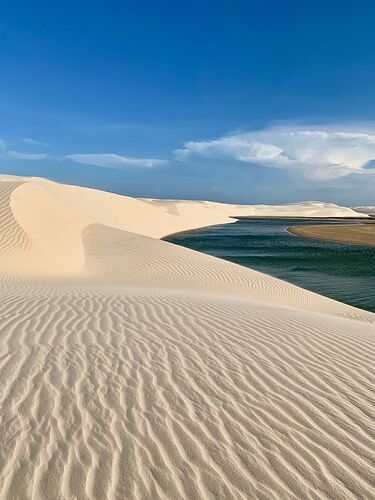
[[111, 160], [28, 140], [27, 156]]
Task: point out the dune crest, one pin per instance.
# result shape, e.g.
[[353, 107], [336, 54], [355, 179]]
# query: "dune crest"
[[133, 368], [54, 216]]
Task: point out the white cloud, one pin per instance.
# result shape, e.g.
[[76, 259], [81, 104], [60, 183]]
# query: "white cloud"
[[115, 161], [238, 147], [27, 156], [7, 154], [315, 153], [28, 140]]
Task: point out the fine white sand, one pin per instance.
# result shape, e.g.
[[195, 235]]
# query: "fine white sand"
[[133, 368]]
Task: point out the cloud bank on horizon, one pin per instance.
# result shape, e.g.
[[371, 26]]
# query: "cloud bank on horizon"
[[314, 153]]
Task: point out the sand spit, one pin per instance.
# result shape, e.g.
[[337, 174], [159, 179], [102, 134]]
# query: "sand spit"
[[133, 368], [356, 234]]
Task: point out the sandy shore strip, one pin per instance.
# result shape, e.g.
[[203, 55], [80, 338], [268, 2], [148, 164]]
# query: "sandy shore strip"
[[356, 234], [132, 368]]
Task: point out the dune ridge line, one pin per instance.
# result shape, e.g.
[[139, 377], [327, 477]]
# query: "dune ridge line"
[[134, 368]]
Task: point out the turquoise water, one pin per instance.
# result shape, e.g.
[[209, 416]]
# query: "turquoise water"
[[340, 271]]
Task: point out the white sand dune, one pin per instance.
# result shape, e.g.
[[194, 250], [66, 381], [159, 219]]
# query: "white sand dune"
[[133, 368], [369, 210]]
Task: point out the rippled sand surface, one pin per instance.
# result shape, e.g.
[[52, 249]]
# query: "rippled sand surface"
[[133, 368]]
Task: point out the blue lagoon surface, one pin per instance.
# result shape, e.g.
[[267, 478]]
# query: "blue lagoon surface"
[[341, 271]]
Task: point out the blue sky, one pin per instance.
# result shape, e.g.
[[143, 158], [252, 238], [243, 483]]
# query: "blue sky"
[[242, 101]]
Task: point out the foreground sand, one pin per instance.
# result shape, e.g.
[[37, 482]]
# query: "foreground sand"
[[357, 234], [133, 368]]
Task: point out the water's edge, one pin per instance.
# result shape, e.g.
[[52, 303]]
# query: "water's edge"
[[341, 271]]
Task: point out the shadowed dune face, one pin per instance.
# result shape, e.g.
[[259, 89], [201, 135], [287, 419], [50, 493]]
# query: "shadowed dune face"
[[13, 237], [114, 256], [133, 368]]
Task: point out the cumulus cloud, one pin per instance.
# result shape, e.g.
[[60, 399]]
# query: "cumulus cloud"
[[2, 144], [315, 153], [115, 161], [27, 156]]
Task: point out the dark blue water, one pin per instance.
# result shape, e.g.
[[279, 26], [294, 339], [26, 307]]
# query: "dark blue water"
[[340, 271]]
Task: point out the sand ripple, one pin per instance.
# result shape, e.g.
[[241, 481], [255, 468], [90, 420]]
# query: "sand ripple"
[[138, 395], [157, 372]]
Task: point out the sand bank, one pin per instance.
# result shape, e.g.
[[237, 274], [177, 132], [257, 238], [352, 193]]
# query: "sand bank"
[[134, 368], [357, 234]]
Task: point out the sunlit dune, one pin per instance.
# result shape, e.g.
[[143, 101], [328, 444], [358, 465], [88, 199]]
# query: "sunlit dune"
[[134, 368]]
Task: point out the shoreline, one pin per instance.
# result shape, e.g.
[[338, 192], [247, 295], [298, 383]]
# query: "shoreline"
[[353, 234], [360, 220], [134, 368]]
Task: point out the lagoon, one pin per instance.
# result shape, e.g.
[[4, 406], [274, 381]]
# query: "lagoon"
[[341, 271]]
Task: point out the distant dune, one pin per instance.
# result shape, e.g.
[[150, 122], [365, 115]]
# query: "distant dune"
[[134, 368], [369, 210]]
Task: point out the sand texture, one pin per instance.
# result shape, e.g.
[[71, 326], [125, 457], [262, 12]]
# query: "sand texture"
[[356, 234], [131, 368]]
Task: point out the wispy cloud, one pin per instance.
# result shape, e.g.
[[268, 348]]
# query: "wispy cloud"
[[115, 161], [34, 142], [316, 153], [7, 154], [27, 156]]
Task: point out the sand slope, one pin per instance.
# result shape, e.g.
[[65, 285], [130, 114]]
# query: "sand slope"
[[133, 368]]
